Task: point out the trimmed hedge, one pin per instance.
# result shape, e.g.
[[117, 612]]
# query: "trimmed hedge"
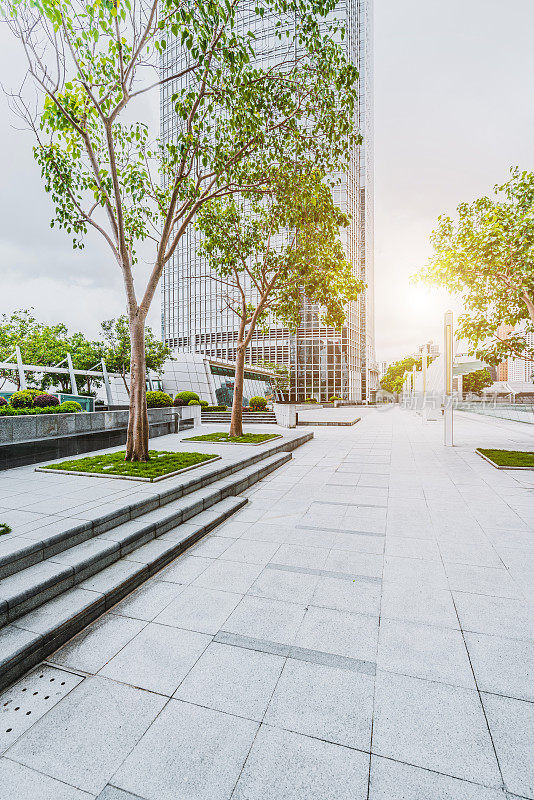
[[258, 403], [70, 407], [194, 403], [186, 397], [23, 399], [45, 401], [9, 411], [213, 408], [158, 400]]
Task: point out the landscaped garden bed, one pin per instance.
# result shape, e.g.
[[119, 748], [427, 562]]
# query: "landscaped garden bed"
[[162, 464], [225, 438], [508, 459], [4, 529]]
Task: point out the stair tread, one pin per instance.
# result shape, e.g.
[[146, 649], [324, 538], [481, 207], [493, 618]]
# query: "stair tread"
[[15, 554], [90, 598]]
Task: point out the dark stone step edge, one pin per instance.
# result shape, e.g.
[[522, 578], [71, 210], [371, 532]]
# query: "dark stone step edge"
[[69, 576], [39, 646], [34, 552]]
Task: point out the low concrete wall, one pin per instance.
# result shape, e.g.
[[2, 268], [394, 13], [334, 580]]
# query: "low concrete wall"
[[32, 439]]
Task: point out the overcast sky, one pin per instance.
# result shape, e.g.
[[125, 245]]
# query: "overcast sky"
[[454, 108]]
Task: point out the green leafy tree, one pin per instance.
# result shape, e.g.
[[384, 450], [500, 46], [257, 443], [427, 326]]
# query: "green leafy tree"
[[393, 380], [476, 381], [237, 116], [117, 350], [282, 374], [486, 255], [269, 252], [23, 330]]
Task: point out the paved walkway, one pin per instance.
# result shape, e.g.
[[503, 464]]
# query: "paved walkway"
[[361, 630]]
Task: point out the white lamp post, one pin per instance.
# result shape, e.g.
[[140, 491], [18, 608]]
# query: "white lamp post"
[[448, 351]]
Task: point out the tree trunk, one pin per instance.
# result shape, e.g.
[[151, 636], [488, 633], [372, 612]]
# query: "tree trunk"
[[236, 423], [529, 302], [137, 438]]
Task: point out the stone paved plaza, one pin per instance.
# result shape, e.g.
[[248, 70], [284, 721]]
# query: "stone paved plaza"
[[361, 630]]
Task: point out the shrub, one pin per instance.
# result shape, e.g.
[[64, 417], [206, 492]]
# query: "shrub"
[[22, 399], [214, 408], [258, 403], [334, 398], [204, 403], [179, 402], [187, 396], [158, 400], [70, 406], [45, 400], [310, 400], [3, 401], [194, 403]]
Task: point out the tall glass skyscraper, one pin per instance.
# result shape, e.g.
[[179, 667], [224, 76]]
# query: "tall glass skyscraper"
[[323, 361]]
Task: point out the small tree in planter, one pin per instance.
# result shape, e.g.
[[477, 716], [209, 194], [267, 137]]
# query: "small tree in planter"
[[271, 250]]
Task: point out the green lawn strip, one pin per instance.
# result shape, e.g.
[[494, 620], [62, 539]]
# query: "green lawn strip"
[[225, 438], [161, 463], [509, 458], [4, 528]]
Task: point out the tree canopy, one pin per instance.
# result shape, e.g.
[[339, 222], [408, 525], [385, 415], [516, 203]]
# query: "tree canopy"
[[486, 255], [393, 380], [476, 381]]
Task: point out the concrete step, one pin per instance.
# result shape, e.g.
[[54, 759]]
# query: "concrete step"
[[267, 417], [18, 553], [31, 587], [36, 634]]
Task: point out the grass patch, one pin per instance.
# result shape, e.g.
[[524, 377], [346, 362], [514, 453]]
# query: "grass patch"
[[509, 458], [247, 438], [4, 528], [162, 462]]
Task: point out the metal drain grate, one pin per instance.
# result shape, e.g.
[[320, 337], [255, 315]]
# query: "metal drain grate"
[[30, 698]]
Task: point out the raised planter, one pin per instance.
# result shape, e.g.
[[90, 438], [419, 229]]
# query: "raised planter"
[[31, 439], [286, 414]]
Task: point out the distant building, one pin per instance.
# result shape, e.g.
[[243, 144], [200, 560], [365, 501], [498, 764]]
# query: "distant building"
[[428, 347], [516, 370]]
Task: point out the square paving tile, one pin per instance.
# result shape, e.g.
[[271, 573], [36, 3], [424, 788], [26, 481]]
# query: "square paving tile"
[[502, 666], [199, 609], [98, 643], [496, 616], [18, 782], [338, 632], [185, 569], [211, 546], [434, 726], [424, 651], [189, 752], [233, 680], [419, 603], [355, 563], [301, 556], [262, 618], [284, 585], [229, 576], [250, 551], [356, 595], [511, 724], [288, 766], [482, 580], [393, 781], [326, 702], [84, 739], [148, 600], [157, 659]]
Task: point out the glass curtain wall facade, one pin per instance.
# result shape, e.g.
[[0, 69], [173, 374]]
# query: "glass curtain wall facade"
[[323, 361]]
